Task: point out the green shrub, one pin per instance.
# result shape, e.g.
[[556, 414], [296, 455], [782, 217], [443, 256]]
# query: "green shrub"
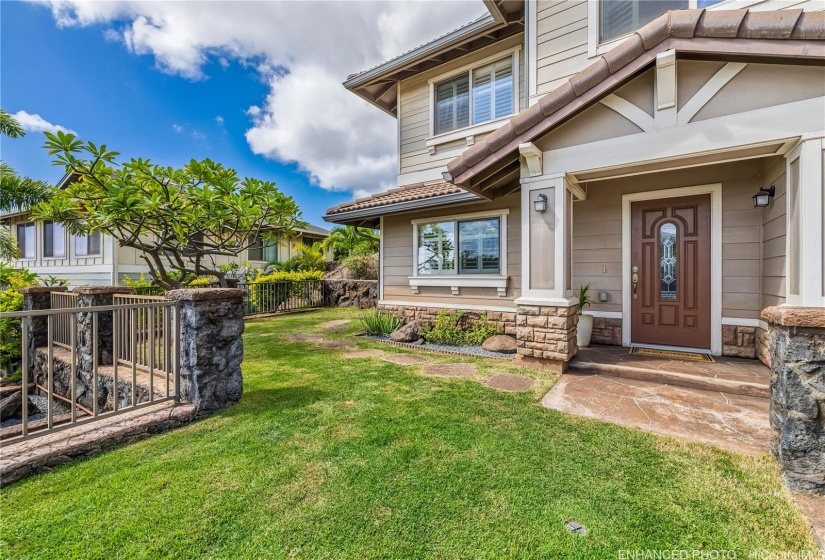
[[11, 299], [362, 266], [380, 322], [294, 276], [450, 328]]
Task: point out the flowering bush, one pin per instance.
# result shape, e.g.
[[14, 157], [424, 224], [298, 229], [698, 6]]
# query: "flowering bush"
[[294, 276]]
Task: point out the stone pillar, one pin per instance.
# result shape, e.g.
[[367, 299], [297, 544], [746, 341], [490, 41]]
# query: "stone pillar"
[[37, 298], [211, 323], [797, 342], [547, 333], [93, 296]]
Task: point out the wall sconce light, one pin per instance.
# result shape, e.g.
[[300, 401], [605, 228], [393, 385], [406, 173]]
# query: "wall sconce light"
[[763, 197], [540, 204]]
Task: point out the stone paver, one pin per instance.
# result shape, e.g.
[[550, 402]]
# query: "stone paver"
[[450, 370], [814, 508], [302, 337], [371, 353], [22, 459], [509, 382], [406, 359], [336, 325], [336, 344], [734, 422]]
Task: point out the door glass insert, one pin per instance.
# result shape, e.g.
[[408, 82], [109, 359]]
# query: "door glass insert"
[[667, 261]]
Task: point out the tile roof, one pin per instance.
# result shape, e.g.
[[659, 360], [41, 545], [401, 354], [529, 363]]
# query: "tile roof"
[[407, 193], [681, 24]]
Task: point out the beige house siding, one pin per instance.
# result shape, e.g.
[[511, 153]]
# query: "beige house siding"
[[773, 234], [414, 110], [561, 42], [597, 233], [397, 259], [562, 37]]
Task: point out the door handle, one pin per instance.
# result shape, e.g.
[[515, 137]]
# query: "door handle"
[[635, 279]]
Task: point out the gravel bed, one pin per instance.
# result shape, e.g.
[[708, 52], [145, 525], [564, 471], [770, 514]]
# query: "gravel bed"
[[464, 349], [40, 402]]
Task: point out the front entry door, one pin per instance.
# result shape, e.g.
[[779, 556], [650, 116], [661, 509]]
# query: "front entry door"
[[670, 271]]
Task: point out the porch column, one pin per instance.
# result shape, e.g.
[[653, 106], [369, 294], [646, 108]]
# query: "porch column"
[[805, 251], [546, 318]]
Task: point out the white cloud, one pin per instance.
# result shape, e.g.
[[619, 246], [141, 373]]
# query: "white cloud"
[[219, 120], [304, 50], [178, 128], [36, 123]]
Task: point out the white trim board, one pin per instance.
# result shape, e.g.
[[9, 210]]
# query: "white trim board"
[[456, 305], [715, 190]]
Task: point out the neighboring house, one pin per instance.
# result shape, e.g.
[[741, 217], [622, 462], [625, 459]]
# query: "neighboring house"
[[554, 144], [47, 249]]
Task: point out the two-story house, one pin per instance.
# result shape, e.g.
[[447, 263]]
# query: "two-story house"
[[668, 153], [47, 249]]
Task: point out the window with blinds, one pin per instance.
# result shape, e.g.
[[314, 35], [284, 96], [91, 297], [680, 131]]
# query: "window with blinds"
[[481, 95], [620, 17]]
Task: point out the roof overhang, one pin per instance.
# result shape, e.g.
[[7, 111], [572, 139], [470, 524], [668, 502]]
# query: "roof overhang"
[[378, 85], [370, 217], [736, 35]]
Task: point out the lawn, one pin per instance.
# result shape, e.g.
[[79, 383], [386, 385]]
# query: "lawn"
[[327, 457]]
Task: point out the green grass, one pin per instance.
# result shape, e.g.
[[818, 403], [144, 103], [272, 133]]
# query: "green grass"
[[332, 458]]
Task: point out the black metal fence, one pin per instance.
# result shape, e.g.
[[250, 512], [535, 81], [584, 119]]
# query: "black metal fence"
[[282, 297]]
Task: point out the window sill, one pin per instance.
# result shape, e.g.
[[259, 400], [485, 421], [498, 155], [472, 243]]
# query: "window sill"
[[468, 133], [455, 282]]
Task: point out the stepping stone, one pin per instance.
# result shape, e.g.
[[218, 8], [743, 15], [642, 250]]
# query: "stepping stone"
[[364, 354], [306, 337], [406, 359], [336, 325], [509, 382], [450, 370], [336, 344], [340, 328]]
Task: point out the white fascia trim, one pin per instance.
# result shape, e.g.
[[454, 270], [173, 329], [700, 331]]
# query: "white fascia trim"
[[429, 49], [715, 190], [456, 305], [455, 282]]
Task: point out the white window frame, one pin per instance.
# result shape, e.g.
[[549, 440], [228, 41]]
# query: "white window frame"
[[457, 281], [596, 48], [65, 241], [33, 225], [88, 253], [469, 133]]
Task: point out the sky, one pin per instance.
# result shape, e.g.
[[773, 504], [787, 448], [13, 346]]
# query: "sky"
[[253, 85]]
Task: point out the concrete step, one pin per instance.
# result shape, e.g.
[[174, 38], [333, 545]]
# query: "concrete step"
[[676, 379]]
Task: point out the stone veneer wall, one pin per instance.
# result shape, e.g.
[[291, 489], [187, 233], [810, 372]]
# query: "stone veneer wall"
[[763, 346], [351, 293], [547, 333], [797, 341], [504, 321], [739, 341], [606, 331]]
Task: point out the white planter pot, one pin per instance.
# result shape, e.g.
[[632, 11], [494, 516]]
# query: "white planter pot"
[[584, 330]]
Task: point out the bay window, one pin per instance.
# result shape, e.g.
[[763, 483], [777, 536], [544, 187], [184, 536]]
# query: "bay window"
[[25, 240], [54, 240], [87, 245], [476, 96]]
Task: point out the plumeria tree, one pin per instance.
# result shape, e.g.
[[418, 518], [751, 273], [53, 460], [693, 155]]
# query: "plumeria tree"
[[182, 221]]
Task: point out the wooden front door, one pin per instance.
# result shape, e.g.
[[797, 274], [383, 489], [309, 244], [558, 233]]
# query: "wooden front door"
[[670, 271]]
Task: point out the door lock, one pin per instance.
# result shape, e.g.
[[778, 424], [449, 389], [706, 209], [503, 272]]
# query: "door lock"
[[635, 279]]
